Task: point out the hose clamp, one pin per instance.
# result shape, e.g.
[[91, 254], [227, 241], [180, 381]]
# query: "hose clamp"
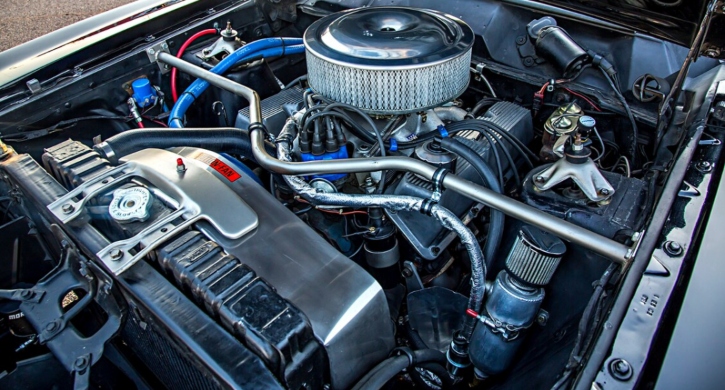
[[437, 180], [407, 352], [427, 206], [260, 126]]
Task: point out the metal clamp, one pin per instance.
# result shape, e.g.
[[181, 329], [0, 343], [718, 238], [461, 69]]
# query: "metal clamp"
[[153, 52], [427, 206], [507, 331], [437, 180]]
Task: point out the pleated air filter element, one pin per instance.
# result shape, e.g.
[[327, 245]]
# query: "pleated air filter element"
[[535, 256], [389, 60]]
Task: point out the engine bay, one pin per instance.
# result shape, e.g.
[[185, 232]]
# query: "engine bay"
[[375, 197]]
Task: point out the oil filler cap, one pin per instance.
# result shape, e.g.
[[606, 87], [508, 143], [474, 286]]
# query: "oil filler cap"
[[130, 204]]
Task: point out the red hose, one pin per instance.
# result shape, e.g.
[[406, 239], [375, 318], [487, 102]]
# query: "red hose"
[[183, 47]]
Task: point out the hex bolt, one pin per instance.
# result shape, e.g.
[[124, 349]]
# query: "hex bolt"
[[152, 51], [68, 208], [540, 179], [407, 272], [604, 191], [621, 369], [115, 254], [81, 362], [673, 248], [26, 294], [51, 327]]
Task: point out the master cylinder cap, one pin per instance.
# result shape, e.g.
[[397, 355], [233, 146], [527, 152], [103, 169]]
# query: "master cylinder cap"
[[534, 256]]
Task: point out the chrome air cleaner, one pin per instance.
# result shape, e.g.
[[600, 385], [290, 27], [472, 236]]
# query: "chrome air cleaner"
[[389, 60]]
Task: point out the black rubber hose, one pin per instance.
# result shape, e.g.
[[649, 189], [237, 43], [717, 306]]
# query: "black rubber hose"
[[388, 368], [217, 139], [494, 149], [495, 231]]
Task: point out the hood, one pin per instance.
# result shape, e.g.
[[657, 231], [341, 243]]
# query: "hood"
[[673, 20]]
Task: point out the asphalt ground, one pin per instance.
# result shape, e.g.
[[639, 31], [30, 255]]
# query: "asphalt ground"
[[24, 20]]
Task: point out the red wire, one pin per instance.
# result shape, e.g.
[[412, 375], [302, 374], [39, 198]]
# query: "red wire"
[[334, 212], [339, 213], [162, 124], [140, 125], [591, 103], [183, 47]]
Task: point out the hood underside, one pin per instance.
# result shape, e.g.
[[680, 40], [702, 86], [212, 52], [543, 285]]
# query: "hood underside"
[[673, 20]]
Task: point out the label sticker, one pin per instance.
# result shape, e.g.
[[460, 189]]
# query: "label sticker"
[[225, 170]]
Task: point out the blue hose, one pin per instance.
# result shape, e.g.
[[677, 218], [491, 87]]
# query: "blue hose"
[[263, 48]]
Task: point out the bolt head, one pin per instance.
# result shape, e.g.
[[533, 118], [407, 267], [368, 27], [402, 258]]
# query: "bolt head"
[[152, 51], [68, 208], [540, 179], [673, 248], [52, 326], [621, 369], [704, 166], [604, 191], [407, 272], [116, 254], [81, 362]]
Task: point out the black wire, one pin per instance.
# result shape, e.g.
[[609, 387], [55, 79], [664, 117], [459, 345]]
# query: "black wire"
[[585, 324], [304, 210], [365, 116], [496, 157], [524, 150], [482, 104], [627, 110], [60, 126], [387, 130], [481, 126], [360, 132], [512, 163]]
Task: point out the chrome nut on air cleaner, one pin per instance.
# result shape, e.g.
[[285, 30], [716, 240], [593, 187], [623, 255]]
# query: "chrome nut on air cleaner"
[[389, 60]]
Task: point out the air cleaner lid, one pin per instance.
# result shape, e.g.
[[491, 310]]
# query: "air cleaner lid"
[[389, 37]]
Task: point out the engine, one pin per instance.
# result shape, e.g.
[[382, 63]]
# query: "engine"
[[385, 206]]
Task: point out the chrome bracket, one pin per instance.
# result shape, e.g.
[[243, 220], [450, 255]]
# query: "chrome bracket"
[[586, 176], [153, 52]]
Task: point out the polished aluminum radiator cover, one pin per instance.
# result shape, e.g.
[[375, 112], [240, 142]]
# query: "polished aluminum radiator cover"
[[389, 60]]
